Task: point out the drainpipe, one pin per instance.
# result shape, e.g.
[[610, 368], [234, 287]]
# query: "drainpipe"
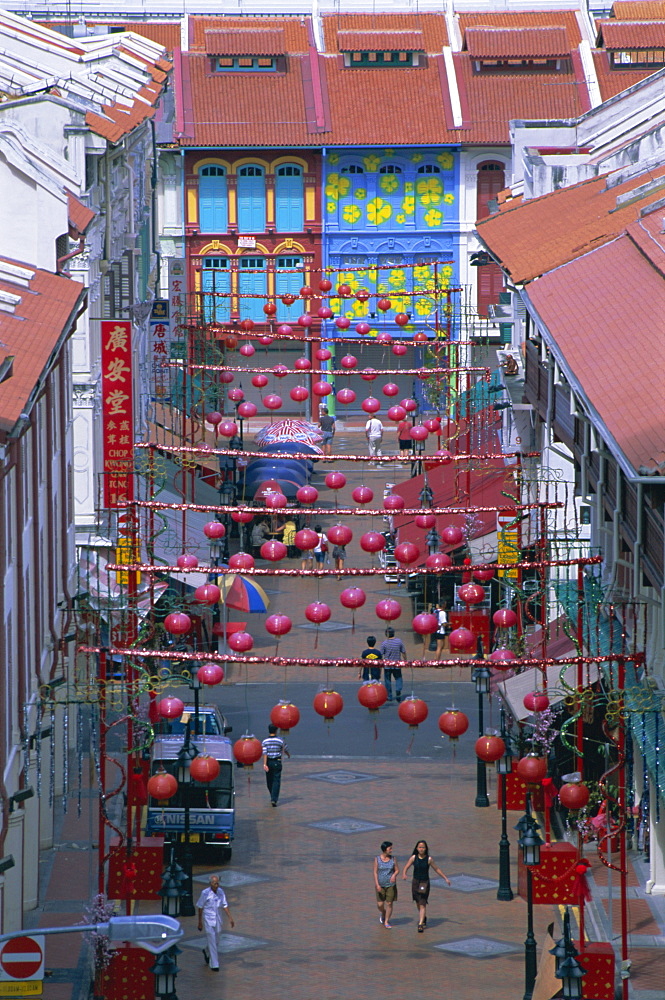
[[107, 208], [637, 549], [154, 236], [616, 518]]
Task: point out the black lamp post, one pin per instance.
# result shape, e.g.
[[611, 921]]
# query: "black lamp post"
[[504, 766], [173, 878], [481, 676], [195, 685], [165, 971], [568, 969], [530, 843], [186, 755]]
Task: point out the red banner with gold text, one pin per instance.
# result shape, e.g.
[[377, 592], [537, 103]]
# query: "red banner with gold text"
[[117, 411]]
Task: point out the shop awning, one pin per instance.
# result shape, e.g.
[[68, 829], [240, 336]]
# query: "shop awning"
[[103, 592], [560, 681]]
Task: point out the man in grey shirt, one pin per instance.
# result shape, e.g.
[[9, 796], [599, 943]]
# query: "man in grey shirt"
[[393, 649]]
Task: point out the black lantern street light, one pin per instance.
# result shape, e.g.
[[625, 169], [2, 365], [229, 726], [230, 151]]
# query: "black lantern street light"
[[568, 969], [530, 842], [482, 676], [165, 971], [504, 767], [186, 755], [171, 891]]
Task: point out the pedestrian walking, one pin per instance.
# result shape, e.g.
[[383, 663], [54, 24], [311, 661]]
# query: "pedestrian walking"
[[371, 669], [374, 435], [339, 555], [420, 884], [404, 439], [393, 649], [327, 425], [274, 748], [386, 871], [209, 906], [321, 547], [442, 629]]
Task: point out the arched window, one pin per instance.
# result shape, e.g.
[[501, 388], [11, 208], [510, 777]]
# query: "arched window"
[[353, 168], [251, 199], [288, 278], [429, 197], [289, 206], [252, 281], [491, 180], [390, 189], [213, 213], [216, 285], [350, 187]]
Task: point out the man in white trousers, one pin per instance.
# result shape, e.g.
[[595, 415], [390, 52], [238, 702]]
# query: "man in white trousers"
[[211, 901]]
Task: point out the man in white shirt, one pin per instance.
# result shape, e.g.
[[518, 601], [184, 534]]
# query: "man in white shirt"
[[211, 901], [374, 435]]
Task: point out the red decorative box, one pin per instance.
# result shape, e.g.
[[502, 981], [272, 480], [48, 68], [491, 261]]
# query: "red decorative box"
[[516, 790], [477, 622], [128, 976], [555, 861], [599, 961], [148, 860]]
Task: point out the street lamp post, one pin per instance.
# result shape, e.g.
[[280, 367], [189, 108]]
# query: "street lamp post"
[[186, 755], [530, 843], [481, 676], [504, 766], [165, 971], [568, 969]]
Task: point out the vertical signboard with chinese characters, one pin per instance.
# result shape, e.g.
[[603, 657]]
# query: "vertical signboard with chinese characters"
[[508, 551], [117, 412], [160, 348], [177, 305]]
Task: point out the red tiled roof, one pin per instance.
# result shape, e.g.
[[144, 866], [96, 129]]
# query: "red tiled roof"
[[239, 42], [167, 34], [79, 215], [606, 293], [623, 35], [638, 10], [31, 333], [296, 38], [545, 42], [612, 80], [117, 120], [526, 19], [432, 27], [380, 41], [532, 237]]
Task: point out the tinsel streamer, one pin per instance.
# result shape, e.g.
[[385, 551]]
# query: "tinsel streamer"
[[79, 757], [51, 747], [65, 759], [38, 746]]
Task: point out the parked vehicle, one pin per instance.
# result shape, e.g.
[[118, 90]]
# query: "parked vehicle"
[[211, 723]]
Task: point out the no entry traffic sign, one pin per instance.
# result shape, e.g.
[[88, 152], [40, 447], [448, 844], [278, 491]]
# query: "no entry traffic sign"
[[22, 958]]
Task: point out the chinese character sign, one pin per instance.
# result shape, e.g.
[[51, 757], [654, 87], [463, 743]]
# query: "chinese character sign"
[[160, 348], [117, 412], [177, 297]]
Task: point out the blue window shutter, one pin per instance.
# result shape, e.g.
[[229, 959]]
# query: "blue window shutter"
[[285, 282], [289, 206], [216, 278], [252, 281], [212, 200], [251, 200]]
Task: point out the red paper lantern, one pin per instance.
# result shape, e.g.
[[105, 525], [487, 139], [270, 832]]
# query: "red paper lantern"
[[409, 405], [214, 418], [322, 388], [210, 673], [362, 295], [259, 381], [178, 623], [388, 610], [272, 401], [247, 750], [433, 425], [453, 724], [401, 319], [240, 642], [413, 711], [302, 364], [472, 593], [207, 593], [324, 312], [306, 292], [444, 456], [285, 715], [335, 480], [236, 395], [317, 612], [214, 529], [452, 535], [325, 285], [170, 707], [349, 361], [371, 404], [289, 299], [484, 575], [307, 494], [346, 396], [230, 342], [339, 534], [368, 374], [281, 371], [342, 323], [278, 624], [504, 618], [323, 354], [284, 329], [328, 704], [574, 795], [396, 413], [305, 320], [372, 541], [270, 308], [425, 521], [420, 338], [273, 550], [363, 494], [266, 341], [383, 304], [438, 561], [425, 623], [407, 553], [419, 432], [162, 785], [390, 389], [276, 501], [247, 324], [247, 410], [187, 561], [344, 291], [499, 657], [532, 769], [536, 701], [352, 598], [372, 695], [299, 393], [461, 640], [399, 350], [490, 748], [393, 502], [306, 539], [226, 377], [363, 329], [204, 768], [242, 516]]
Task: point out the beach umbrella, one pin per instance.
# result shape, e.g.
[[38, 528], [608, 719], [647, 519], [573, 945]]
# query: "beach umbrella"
[[289, 430], [241, 593]]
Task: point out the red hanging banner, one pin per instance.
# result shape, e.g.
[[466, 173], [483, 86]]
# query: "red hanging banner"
[[117, 411]]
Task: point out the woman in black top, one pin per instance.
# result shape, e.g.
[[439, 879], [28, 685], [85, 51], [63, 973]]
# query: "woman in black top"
[[420, 885]]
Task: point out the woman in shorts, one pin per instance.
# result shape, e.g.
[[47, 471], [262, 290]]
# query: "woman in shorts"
[[420, 886], [386, 871], [321, 546]]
